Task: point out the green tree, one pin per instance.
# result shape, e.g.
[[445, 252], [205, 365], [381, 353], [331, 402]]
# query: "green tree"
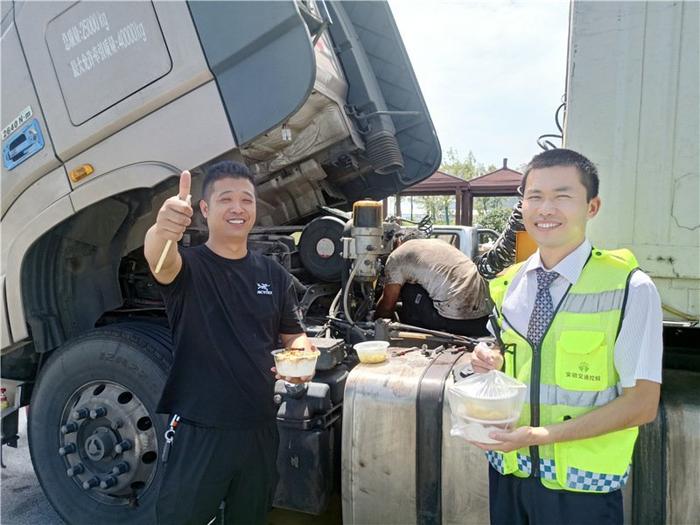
[[489, 212], [495, 218], [439, 207], [465, 168]]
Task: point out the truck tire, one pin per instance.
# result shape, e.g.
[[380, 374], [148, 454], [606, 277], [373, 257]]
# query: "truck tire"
[[94, 436]]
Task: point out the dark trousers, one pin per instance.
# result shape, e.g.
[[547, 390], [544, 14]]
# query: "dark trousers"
[[418, 310], [525, 501], [208, 465]]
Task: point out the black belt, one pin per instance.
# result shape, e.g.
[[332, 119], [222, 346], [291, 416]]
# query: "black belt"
[[429, 404]]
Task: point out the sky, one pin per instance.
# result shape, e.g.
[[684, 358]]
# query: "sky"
[[492, 72]]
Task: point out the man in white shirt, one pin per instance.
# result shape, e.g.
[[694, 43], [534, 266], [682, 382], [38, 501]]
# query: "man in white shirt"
[[591, 357]]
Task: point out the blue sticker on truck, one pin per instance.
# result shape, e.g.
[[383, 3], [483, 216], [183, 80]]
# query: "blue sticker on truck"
[[22, 144]]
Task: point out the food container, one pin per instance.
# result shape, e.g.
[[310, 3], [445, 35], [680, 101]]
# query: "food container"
[[478, 429], [295, 363], [492, 396], [371, 352], [484, 403], [502, 409]]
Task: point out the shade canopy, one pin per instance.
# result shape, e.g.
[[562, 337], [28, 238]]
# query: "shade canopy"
[[503, 182]]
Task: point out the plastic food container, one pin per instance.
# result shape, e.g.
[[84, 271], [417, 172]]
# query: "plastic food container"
[[493, 396], [499, 409], [371, 352], [295, 363], [478, 430], [484, 403]]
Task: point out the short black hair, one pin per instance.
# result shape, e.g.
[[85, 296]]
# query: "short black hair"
[[588, 173], [225, 169]]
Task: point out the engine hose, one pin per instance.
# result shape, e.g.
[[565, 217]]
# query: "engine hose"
[[332, 310], [346, 309], [502, 255], [334, 305]]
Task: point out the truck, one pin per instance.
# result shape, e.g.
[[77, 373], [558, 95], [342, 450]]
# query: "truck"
[[104, 104]]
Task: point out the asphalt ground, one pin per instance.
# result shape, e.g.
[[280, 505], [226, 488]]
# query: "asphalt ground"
[[22, 501]]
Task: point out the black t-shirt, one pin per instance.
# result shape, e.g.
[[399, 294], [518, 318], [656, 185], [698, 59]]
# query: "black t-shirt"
[[225, 316]]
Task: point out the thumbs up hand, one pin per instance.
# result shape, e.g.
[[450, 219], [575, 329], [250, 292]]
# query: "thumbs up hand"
[[175, 215]]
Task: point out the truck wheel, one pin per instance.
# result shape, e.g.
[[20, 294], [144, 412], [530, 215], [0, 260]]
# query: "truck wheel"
[[94, 436]]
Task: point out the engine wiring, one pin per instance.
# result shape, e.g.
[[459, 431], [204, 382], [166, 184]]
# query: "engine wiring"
[[502, 255], [543, 141]]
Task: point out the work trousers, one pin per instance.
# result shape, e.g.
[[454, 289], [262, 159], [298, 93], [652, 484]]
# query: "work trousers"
[[418, 310], [209, 465], [525, 501]]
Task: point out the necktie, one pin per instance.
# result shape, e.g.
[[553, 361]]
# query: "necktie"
[[543, 311]]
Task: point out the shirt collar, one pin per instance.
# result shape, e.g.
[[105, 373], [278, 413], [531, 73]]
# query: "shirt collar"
[[570, 267]]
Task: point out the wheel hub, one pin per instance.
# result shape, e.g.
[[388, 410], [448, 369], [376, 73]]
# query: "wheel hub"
[[108, 442], [100, 444]]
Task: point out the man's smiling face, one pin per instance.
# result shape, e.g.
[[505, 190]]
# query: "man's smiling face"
[[230, 210], [556, 208]]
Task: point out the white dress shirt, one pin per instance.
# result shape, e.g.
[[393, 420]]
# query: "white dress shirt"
[[639, 346]]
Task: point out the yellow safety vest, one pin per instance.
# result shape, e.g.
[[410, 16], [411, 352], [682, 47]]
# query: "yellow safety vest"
[[570, 374]]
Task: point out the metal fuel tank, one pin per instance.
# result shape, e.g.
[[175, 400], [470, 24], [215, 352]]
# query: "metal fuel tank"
[[399, 463]]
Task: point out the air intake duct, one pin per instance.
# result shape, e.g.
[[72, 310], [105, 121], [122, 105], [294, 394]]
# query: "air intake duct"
[[383, 152]]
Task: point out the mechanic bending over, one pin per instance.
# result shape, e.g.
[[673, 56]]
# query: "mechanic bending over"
[[226, 307], [439, 286]]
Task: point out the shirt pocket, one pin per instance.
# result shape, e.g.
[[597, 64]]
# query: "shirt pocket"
[[582, 360]]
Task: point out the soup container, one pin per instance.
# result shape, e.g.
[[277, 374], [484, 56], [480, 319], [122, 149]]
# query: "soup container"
[[487, 397], [295, 363], [478, 429], [372, 352]]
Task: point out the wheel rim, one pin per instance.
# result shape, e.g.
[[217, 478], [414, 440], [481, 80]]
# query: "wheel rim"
[[108, 442]]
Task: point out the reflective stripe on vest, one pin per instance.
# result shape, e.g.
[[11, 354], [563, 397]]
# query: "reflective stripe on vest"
[[591, 303], [576, 375], [556, 395], [581, 480]]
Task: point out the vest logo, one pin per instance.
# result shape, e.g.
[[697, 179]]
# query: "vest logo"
[[583, 366], [264, 289], [585, 377]]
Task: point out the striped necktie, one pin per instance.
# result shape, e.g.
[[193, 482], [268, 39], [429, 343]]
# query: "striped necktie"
[[543, 311]]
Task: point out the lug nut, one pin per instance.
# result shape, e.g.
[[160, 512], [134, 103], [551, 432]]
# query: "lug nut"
[[92, 482], [98, 412], [108, 482], [120, 468], [75, 470], [69, 428], [67, 449], [123, 446], [81, 413]]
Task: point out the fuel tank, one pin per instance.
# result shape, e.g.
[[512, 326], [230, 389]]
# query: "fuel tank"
[[399, 463]]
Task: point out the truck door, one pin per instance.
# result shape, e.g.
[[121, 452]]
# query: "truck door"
[[100, 66], [26, 146]]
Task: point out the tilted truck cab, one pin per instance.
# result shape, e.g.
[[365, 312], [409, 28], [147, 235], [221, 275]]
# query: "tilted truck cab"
[[103, 104]]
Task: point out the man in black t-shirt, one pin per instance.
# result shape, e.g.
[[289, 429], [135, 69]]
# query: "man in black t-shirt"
[[226, 307]]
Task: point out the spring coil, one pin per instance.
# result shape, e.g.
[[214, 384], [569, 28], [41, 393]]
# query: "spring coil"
[[502, 255]]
